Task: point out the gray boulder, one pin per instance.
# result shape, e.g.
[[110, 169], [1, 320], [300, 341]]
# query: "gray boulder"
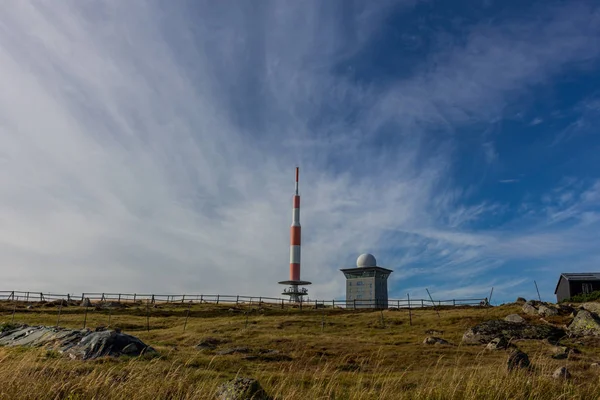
[[561, 373], [518, 360], [489, 330], [77, 344], [591, 307], [515, 318], [242, 389], [584, 324], [435, 340], [547, 311], [529, 309]]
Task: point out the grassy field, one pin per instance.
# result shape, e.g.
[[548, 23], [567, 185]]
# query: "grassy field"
[[335, 354]]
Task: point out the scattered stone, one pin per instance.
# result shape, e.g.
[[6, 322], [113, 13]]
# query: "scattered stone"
[[242, 389], [521, 300], [435, 340], [77, 344], [86, 302], [595, 365], [529, 309], [268, 357], [515, 318], [517, 359], [591, 307], [209, 343], [489, 330], [111, 304], [434, 332], [30, 307], [561, 373], [584, 324], [499, 343], [560, 352], [234, 350], [547, 311]]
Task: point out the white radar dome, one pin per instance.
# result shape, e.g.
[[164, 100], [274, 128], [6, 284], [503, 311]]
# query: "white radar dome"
[[366, 260]]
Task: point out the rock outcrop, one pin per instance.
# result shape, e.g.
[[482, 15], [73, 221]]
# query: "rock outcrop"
[[547, 311], [489, 330], [77, 344], [584, 324], [591, 307], [242, 389], [529, 309]]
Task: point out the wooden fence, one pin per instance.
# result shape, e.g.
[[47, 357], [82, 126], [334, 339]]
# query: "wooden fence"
[[19, 296]]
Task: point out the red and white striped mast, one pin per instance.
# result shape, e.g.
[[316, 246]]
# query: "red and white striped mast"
[[294, 292]]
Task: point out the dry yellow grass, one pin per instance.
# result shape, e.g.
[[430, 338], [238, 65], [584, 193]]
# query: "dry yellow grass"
[[351, 356]]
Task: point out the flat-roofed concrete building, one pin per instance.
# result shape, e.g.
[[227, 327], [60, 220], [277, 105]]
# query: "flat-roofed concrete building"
[[366, 285]]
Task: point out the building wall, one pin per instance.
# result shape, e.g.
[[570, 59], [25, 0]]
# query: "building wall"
[[563, 290], [567, 289], [368, 292]]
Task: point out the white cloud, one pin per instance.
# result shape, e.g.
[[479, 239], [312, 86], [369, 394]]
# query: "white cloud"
[[152, 149]]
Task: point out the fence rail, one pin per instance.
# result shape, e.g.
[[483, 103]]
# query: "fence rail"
[[20, 296]]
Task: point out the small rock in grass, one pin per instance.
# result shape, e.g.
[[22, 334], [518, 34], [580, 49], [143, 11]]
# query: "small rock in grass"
[[435, 340], [514, 318], [561, 373], [518, 360]]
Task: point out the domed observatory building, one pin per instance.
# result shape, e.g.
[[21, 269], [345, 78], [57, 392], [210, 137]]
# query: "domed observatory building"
[[366, 285]]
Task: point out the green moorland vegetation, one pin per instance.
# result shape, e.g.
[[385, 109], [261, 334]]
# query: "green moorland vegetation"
[[333, 354], [582, 298]]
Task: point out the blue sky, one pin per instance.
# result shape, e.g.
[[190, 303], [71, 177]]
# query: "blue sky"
[[150, 146]]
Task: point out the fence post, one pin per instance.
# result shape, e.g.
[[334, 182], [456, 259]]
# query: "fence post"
[[28, 297], [85, 316], [237, 300], [183, 299], [260, 300], [422, 304], [41, 296], [282, 304], [201, 298], [152, 299], [68, 297], [454, 302], [315, 304], [217, 299], [398, 304], [82, 296], [12, 296], [355, 304], [187, 315], [119, 301], [148, 314], [409, 310], [333, 303]]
